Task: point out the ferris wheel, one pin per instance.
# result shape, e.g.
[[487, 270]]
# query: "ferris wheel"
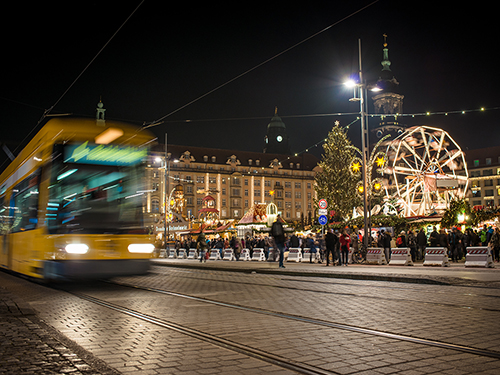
[[426, 170]]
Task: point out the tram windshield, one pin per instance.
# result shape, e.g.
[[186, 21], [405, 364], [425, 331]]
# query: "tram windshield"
[[95, 198]]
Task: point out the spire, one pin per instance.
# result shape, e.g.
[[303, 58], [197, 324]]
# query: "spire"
[[385, 62]]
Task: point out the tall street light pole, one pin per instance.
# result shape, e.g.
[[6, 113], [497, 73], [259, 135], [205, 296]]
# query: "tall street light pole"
[[364, 149], [361, 86]]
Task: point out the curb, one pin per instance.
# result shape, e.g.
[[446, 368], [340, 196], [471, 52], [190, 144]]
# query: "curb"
[[302, 273]]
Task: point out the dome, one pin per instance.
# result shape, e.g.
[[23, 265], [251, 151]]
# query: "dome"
[[276, 121]]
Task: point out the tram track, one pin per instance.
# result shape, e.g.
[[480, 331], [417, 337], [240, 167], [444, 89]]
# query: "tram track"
[[359, 295], [257, 353]]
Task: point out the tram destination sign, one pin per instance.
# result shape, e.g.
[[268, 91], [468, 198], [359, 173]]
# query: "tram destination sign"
[[86, 153]]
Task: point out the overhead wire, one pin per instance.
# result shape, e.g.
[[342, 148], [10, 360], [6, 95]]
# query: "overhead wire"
[[47, 112], [160, 120]]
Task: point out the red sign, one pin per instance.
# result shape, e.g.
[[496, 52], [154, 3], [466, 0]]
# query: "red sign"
[[323, 204]]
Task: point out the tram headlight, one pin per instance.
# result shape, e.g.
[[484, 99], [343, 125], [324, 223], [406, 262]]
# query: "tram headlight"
[[144, 248], [76, 248]]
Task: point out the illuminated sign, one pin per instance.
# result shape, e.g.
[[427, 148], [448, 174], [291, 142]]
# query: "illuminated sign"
[[103, 154]]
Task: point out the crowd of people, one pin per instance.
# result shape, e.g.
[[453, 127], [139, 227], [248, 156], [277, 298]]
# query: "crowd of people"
[[335, 246], [454, 240]]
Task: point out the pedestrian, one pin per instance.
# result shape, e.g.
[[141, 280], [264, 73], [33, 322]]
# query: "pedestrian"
[[386, 244], [412, 244], [344, 240], [434, 238], [474, 238], [331, 241], [312, 247], [294, 241], [443, 239], [202, 245], [482, 236], [237, 248], [278, 235], [495, 244], [421, 244], [401, 240], [337, 249], [454, 241]]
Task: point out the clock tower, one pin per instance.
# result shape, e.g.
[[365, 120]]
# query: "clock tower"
[[276, 140]]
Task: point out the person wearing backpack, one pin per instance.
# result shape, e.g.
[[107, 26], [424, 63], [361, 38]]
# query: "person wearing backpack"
[[278, 234]]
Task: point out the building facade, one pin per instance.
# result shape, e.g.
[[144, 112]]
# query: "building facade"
[[235, 179], [484, 177]]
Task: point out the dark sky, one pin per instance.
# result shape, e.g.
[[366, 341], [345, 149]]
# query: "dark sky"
[[164, 57]]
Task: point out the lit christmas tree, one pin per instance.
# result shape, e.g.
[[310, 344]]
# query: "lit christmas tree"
[[335, 182]]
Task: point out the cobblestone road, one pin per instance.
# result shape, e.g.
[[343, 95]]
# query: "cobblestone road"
[[310, 330]]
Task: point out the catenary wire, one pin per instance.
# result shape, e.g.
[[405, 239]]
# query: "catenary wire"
[[160, 120]]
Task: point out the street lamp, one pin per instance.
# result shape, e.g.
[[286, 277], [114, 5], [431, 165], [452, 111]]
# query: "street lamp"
[[361, 86]]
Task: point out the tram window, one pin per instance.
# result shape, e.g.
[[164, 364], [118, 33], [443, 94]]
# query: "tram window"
[[24, 203], [4, 216], [95, 199]]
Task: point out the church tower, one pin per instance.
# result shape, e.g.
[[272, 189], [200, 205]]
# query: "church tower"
[[100, 114], [388, 102], [276, 140]]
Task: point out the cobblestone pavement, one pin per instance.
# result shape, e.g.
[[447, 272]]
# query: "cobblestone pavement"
[[455, 314], [28, 346]]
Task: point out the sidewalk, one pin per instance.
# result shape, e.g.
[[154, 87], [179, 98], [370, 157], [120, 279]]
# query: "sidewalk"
[[455, 274]]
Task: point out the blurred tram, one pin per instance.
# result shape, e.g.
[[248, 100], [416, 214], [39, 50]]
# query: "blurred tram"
[[72, 202]]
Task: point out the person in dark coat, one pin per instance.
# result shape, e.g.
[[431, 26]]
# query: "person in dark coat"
[[421, 244], [294, 241], [455, 243], [443, 239], [331, 241], [279, 238], [434, 238]]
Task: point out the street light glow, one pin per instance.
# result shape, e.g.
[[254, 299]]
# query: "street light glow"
[[350, 83]]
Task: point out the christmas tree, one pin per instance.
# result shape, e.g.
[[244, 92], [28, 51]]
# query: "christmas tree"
[[335, 182]]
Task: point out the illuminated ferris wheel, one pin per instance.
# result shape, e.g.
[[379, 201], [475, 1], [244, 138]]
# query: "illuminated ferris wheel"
[[426, 169]]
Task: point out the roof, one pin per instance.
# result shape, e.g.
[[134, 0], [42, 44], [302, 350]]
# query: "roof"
[[204, 155], [481, 154]]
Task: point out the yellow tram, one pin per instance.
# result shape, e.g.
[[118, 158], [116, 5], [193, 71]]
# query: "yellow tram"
[[72, 202]]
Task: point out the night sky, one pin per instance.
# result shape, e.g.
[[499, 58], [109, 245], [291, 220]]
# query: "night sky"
[[165, 57]]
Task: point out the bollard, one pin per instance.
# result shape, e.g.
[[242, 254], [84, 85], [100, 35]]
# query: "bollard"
[[272, 256], [294, 255], [182, 254], [172, 254], [375, 255], [307, 255], [401, 257], [214, 254], [229, 254], [193, 254], [245, 254], [436, 256], [258, 254], [479, 256]]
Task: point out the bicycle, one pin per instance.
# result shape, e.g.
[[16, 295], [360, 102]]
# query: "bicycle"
[[359, 256]]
